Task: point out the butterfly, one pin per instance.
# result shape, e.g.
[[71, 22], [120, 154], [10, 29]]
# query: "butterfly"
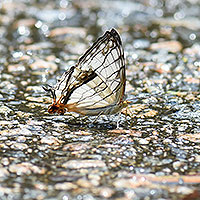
[[96, 84]]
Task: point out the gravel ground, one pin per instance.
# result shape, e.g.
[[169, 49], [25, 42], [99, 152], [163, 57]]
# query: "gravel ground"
[[154, 155]]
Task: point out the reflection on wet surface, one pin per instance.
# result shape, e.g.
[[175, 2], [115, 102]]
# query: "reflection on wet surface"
[[156, 152]]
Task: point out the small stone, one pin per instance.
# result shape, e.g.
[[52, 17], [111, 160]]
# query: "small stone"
[[25, 168], [191, 137], [197, 158], [24, 22], [41, 186], [122, 131], [150, 113], [51, 140], [172, 46], [35, 89], [37, 46], [3, 172], [84, 183], [184, 22], [76, 147], [167, 141], [21, 139], [184, 190], [106, 192], [36, 99], [17, 131], [5, 123], [182, 127], [24, 114], [143, 141], [130, 183], [16, 68], [141, 44], [65, 186], [24, 131], [177, 165], [78, 164], [82, 133], [68, 30], [42, 64], [5, 110], [5, 161], [19, 146], [193, 51]]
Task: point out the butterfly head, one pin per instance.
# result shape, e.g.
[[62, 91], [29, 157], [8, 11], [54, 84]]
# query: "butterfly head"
[[56, 108]]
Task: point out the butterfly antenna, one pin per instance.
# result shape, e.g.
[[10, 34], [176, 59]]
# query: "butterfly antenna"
[[49, 88]]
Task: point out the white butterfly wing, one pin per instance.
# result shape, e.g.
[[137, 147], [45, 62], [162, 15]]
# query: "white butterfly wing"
[[96, 84], [106, 59]]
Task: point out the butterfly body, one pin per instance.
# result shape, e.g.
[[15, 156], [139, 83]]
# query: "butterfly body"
[[96, 84]]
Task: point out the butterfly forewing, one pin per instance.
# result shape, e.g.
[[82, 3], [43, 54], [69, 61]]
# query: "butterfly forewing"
[[97, 83], [106, 58]]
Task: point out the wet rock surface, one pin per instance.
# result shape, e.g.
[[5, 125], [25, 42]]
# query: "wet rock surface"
[[156, 152]]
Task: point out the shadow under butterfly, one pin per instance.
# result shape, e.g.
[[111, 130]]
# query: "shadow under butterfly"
[[96, 84]]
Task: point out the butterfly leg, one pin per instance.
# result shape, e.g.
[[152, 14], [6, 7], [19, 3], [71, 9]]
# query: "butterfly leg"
[[96, 118], [118, 120]]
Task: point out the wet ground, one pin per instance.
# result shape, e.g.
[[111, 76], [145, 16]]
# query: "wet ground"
[[156, 152]]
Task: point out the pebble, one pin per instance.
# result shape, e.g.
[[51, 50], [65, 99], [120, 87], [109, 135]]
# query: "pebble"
[[5, 110], [24, 22], [51, 140], [193, 50], [130, 183], [167, 141], [185, 22], [65, 186], [184, 190], [150, 113], [76, 147], [3, 172], [68, 30], [35, 89], [141, 44], [79, 164], [143, 141], [37, 46], [25, 168], [172, 46], [23, 114], [36, 99], [177, 165], [84, 183], [122, 131], [5, 161], [19, 146], [17, 131], [104, 192], [191, 137], [82, 133], [197, 158], [40, 186], [16, 68], [42, 64]]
